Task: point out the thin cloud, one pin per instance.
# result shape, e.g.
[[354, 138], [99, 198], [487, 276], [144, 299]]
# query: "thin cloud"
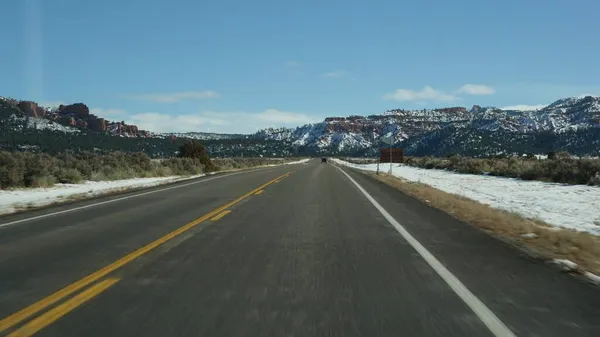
[[292, 64], [175, 97], [524, 107], [585, 95], [336, 74], [51, 104], [217, 121], [274, 116], [476, 89], [425, 94], [429, 94], [108, 113]]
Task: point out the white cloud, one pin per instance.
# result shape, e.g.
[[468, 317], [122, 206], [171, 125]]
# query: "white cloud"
[[284, 117], [337, 73], [585, 95], [524, 107], [476, 89], [426, 94], [51, 104], [292, 64], [107, 113], [175, 97], [220, 122]]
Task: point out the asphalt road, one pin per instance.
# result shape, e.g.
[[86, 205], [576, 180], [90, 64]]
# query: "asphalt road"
[[295, 250]]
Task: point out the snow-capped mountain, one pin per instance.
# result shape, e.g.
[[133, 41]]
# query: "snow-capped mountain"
[[570, 124], [413, 127], [199, 135]]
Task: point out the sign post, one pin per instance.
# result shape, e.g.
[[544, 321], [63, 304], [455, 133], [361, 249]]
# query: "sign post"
[[390, 140], [395, 155], [391, 156]]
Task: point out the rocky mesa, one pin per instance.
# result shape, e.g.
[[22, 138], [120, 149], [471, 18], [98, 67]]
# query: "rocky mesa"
[[74, 117]]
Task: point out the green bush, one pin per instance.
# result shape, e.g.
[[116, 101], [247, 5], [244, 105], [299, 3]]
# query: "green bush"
[[195, 150], [69, 176]]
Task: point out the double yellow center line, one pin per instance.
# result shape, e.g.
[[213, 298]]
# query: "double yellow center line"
[[51, 316], [42, 304]]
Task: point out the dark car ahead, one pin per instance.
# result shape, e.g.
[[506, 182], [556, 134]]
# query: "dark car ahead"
[[323, 160]]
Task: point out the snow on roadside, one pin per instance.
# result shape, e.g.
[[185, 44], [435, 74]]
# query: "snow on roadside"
[[13, 200], [569, 206], [301, 161]]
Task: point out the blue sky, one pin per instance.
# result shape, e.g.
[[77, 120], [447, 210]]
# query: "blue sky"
[[236, 66]]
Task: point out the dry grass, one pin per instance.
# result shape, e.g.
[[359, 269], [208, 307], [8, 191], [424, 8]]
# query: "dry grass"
[[549, 243]]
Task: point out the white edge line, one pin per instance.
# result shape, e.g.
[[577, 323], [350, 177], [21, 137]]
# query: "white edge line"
[[494, 324], [121, 198]]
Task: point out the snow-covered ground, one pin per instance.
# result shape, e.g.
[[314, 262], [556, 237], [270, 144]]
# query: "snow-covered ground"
[[14, 200], [301, 161], [568, 206]]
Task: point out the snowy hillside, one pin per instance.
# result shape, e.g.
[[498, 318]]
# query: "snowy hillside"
[[199, 135], [569, 124], [480, 128], [44, 124]]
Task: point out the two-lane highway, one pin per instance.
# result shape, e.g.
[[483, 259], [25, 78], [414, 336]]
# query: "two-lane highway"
[[297, 250]]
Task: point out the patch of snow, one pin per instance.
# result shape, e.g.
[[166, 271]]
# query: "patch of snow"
[[592, 277], [566, 265], [45, 124], [566, 206], [530, 236], [301, 161], [13, 200]]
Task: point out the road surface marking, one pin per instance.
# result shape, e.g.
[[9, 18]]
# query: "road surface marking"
[[120, 199], [32, 309], [259, 192], [53, 315], [494, 324], [220, 215]]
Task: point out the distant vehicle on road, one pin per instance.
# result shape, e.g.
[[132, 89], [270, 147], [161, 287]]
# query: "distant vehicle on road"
[[323, 160]]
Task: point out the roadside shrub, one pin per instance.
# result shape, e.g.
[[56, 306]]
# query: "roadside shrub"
[[163, 171], [20, 169], [361, 160], [563, 168], [69, 176], [195, 150], [45, 181], [239, 163], [432, 163], [12, 169]]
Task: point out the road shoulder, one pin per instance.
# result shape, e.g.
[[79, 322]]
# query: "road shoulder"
[[490, 267]]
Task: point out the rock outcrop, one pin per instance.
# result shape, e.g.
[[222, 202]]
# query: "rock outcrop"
[[31, 109], [76, 110], [75, 115], [97, 124]]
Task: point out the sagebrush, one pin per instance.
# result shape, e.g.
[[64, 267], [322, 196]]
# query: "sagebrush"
[[559, 167], [23, 169]]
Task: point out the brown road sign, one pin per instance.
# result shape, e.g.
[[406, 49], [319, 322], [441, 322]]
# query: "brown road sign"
[[397, 155]]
